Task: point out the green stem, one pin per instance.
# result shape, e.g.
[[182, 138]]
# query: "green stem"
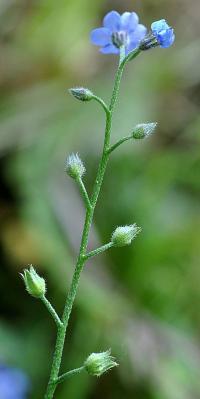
[[51, 311], [132, 55], [84, 242], [114, 146], [122, 54], [99, 250], [69, 374], [84, 193], [102, 103]]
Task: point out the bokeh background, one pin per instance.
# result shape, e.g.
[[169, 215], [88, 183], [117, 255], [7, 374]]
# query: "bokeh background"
[[142, 300]]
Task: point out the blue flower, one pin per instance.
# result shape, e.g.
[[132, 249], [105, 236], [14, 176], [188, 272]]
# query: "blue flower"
[[118, 30], [13, 383], [163, 33]]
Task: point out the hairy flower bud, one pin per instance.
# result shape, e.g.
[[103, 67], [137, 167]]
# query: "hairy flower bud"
[[98, 363], [74, 166], [123, 235], [35, 285], [81, 93], [144, 130]]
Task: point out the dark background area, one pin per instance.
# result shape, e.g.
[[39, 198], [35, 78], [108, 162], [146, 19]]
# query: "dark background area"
[[143, 300]]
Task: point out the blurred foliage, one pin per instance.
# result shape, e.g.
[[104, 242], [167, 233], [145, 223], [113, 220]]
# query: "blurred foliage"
[[143, 301]]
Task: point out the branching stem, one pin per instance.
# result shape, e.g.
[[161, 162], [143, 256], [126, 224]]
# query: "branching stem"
[[86, 229]]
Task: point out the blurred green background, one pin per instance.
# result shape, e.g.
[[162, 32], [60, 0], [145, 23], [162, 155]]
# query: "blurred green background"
[[142, 300]]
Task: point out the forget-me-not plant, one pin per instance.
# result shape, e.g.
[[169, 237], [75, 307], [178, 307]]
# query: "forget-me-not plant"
[[124, 36]]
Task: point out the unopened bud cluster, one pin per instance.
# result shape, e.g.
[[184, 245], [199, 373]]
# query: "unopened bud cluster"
[[98, 363], [124, 235], [143, 130], [74, 166], [35, 285], [82, 94]]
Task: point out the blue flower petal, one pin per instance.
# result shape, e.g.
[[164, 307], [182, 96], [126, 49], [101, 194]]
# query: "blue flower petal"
[[109, 49], [139, 33], [100, 36], [129, 21], [112, 21], [166, 38], [159, 25], [163, 33], [136, 37]]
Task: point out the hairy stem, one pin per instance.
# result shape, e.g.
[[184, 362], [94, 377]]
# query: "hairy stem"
[[84, 241], [121, 141], [84, 193], [51, 311], [69, 374], [99, 250], [102, 103]]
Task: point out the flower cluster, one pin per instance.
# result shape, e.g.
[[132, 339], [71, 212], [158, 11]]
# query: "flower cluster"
[[125, 30]]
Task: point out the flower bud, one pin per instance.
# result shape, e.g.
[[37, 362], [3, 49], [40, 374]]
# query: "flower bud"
[[148, 42], [74, 166], [123, 235], [144, 130], [35, 285], [98, 363], [81, 93], [161, 35]]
